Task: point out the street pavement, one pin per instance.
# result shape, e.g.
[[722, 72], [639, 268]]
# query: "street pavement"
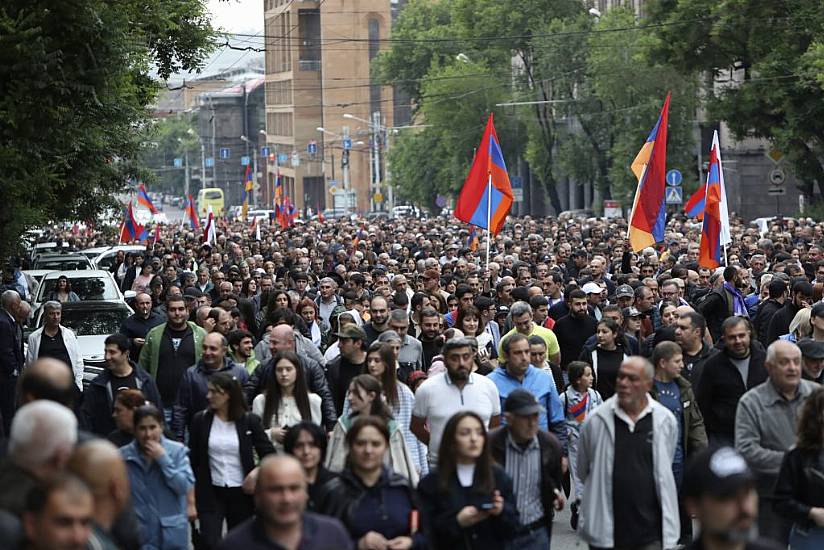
[[563, 537]]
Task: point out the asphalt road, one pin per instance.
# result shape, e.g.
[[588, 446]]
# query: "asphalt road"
[[563, 537]]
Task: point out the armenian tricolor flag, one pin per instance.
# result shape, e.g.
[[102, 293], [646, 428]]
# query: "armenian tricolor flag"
[[247, 191], [191, 212], [472, 239], [143, 198], [649, 215], [579, 409], [486, 196], [715, 232], [131, 230]]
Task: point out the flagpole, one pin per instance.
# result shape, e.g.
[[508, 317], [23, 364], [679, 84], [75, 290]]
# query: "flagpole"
[[488, 218]]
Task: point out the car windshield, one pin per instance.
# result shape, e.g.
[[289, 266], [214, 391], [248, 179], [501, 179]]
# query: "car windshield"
[[86, 288], [86, 322], [63, 265], [212, 194]]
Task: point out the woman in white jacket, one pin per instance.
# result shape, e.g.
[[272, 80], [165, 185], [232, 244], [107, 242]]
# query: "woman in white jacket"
[[56, 341]]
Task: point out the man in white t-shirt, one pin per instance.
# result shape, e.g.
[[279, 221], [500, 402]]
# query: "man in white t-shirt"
[[457, 389]]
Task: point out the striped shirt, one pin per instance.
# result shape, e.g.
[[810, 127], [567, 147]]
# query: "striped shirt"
[[523, 464]]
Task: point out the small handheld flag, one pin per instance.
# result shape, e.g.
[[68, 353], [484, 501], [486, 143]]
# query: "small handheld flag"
[[649, 215], [131, 230], [191, 213], [210, 233], [143, 199]]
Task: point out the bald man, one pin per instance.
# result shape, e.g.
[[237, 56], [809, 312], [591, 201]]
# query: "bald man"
[[191, 397], [99, 464], [282, 337], [136, 326], [282, 519], [48, 379]]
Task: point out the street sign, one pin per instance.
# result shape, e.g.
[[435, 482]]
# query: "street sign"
[[178, 163], [333, 183], [312, 147], [776, 191], [295, 159], [612, 209], [777, 176], [264, 151], [675, 195], [674, 178], [333, 189], [518, 194], [224, 153], [347, 143], [283, 158], [517, 182], [210, 162], [378, 197], [440, 201], [244, 160], [775, 155]]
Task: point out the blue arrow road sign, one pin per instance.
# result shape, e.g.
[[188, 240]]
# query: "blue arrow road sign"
[[210, 162], [178, 163], [224, 152], [244, 161], [347, 143], [312, 147], [283, 158], [675, 195], [264, 151], [674, 178]]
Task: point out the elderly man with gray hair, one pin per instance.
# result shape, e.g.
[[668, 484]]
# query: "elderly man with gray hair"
[[43, 436], [56, 341]]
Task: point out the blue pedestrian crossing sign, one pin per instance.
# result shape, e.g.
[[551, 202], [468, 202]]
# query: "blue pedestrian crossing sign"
[[347, 143], [224, 152], [178, 163], [674, 178], [264, 151], [675, 195], [210, 162], [244, 160]]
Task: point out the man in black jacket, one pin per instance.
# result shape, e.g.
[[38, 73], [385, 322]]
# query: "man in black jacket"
[[137, 325], [518, 447], [121, 373], [777, 296], [11, 355], [801, 296], [727, 376]]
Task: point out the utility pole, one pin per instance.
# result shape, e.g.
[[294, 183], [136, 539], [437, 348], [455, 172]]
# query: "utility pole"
[[344, 163], [187, 180], [202, 164], [254, 177]]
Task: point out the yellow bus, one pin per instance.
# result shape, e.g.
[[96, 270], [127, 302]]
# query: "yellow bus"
[[210, 196]]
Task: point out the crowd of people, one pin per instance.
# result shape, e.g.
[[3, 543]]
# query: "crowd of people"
[[379, 385]]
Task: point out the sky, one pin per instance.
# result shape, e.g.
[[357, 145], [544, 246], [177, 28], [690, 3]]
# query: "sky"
[[237, 15]]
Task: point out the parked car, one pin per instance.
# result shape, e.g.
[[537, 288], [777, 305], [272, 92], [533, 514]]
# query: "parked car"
[[62, 262], [92, 322], [90, 286]]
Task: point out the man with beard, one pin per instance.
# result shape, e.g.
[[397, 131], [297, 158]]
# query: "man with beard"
[[136, 326], [727, 375], [719, 492], [573, 330], [379, 322], [457, 389], [430, 332], [802, 296], [689, 333]]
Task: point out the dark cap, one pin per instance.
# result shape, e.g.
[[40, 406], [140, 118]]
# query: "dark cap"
[[818, 310], [352, 331], [631, 312], [522, 403], [192, 292], [811, 349], [720, 472], [501, 310], [624, 291]]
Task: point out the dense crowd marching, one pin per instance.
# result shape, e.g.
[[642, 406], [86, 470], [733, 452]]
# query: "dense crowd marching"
[[377, 385]]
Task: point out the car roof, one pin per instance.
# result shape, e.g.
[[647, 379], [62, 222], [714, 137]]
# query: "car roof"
[[72, 256], [78, 274], [90, 304]]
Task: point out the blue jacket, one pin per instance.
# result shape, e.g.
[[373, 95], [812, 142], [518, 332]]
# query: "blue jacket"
[[542, 386], [191, 394], [159, 495]]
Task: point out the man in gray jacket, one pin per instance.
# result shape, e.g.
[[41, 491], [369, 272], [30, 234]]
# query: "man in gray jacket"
[[625, 455], [765, 422]]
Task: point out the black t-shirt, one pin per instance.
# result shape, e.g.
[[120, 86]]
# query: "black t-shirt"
[[54, 347], [128, 382], [635, 504], [346, 373], [176, 354], [572, 333], [609, 361]]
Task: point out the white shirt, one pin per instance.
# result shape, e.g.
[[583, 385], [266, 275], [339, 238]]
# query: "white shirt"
[[621, 413], [224, 455], [466, 474], [437, 399]]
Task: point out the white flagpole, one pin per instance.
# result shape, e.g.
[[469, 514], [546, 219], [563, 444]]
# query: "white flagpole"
[[488, 218]]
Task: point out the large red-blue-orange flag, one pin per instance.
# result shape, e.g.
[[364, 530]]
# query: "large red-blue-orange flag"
[[715, 231], [143, 198], [486, 196], [649, 215]]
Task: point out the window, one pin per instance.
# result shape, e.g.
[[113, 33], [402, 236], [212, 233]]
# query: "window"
[[279, 124], [309, 47], [279, 92]]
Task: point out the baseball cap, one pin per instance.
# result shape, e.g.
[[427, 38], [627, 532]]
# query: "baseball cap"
[[811, 349], [591, 288], [352, 331], [631, 312], [719, 472], [624, 291], [818, 310], [501, 310], [522, 403]]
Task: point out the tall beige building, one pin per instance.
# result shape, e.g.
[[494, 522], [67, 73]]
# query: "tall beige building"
[[318, 60]]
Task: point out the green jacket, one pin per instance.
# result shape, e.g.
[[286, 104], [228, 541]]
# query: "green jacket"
[[151, 349], [695, 436]]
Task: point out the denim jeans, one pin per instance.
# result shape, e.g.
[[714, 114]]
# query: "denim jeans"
[[534, 540]]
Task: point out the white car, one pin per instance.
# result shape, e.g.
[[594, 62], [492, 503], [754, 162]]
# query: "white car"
[[90, 286], [103, 257]]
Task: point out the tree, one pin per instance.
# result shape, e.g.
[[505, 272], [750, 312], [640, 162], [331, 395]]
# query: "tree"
[[168, 139], [764, 67], [74, 84]]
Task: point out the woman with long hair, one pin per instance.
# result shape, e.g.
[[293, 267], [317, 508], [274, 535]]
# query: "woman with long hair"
[[308, 311], [223, 441], [286, 400], [307, 442], [365, 399], [472, 323], [799, 490], [125, 403], [249, 288], [247, 320], [160, 477], [361, 495], [468, 500], [63, 291], [606, 357], [141, 282]]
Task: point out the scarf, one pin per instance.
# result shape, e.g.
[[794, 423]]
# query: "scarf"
[[739, 307]]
